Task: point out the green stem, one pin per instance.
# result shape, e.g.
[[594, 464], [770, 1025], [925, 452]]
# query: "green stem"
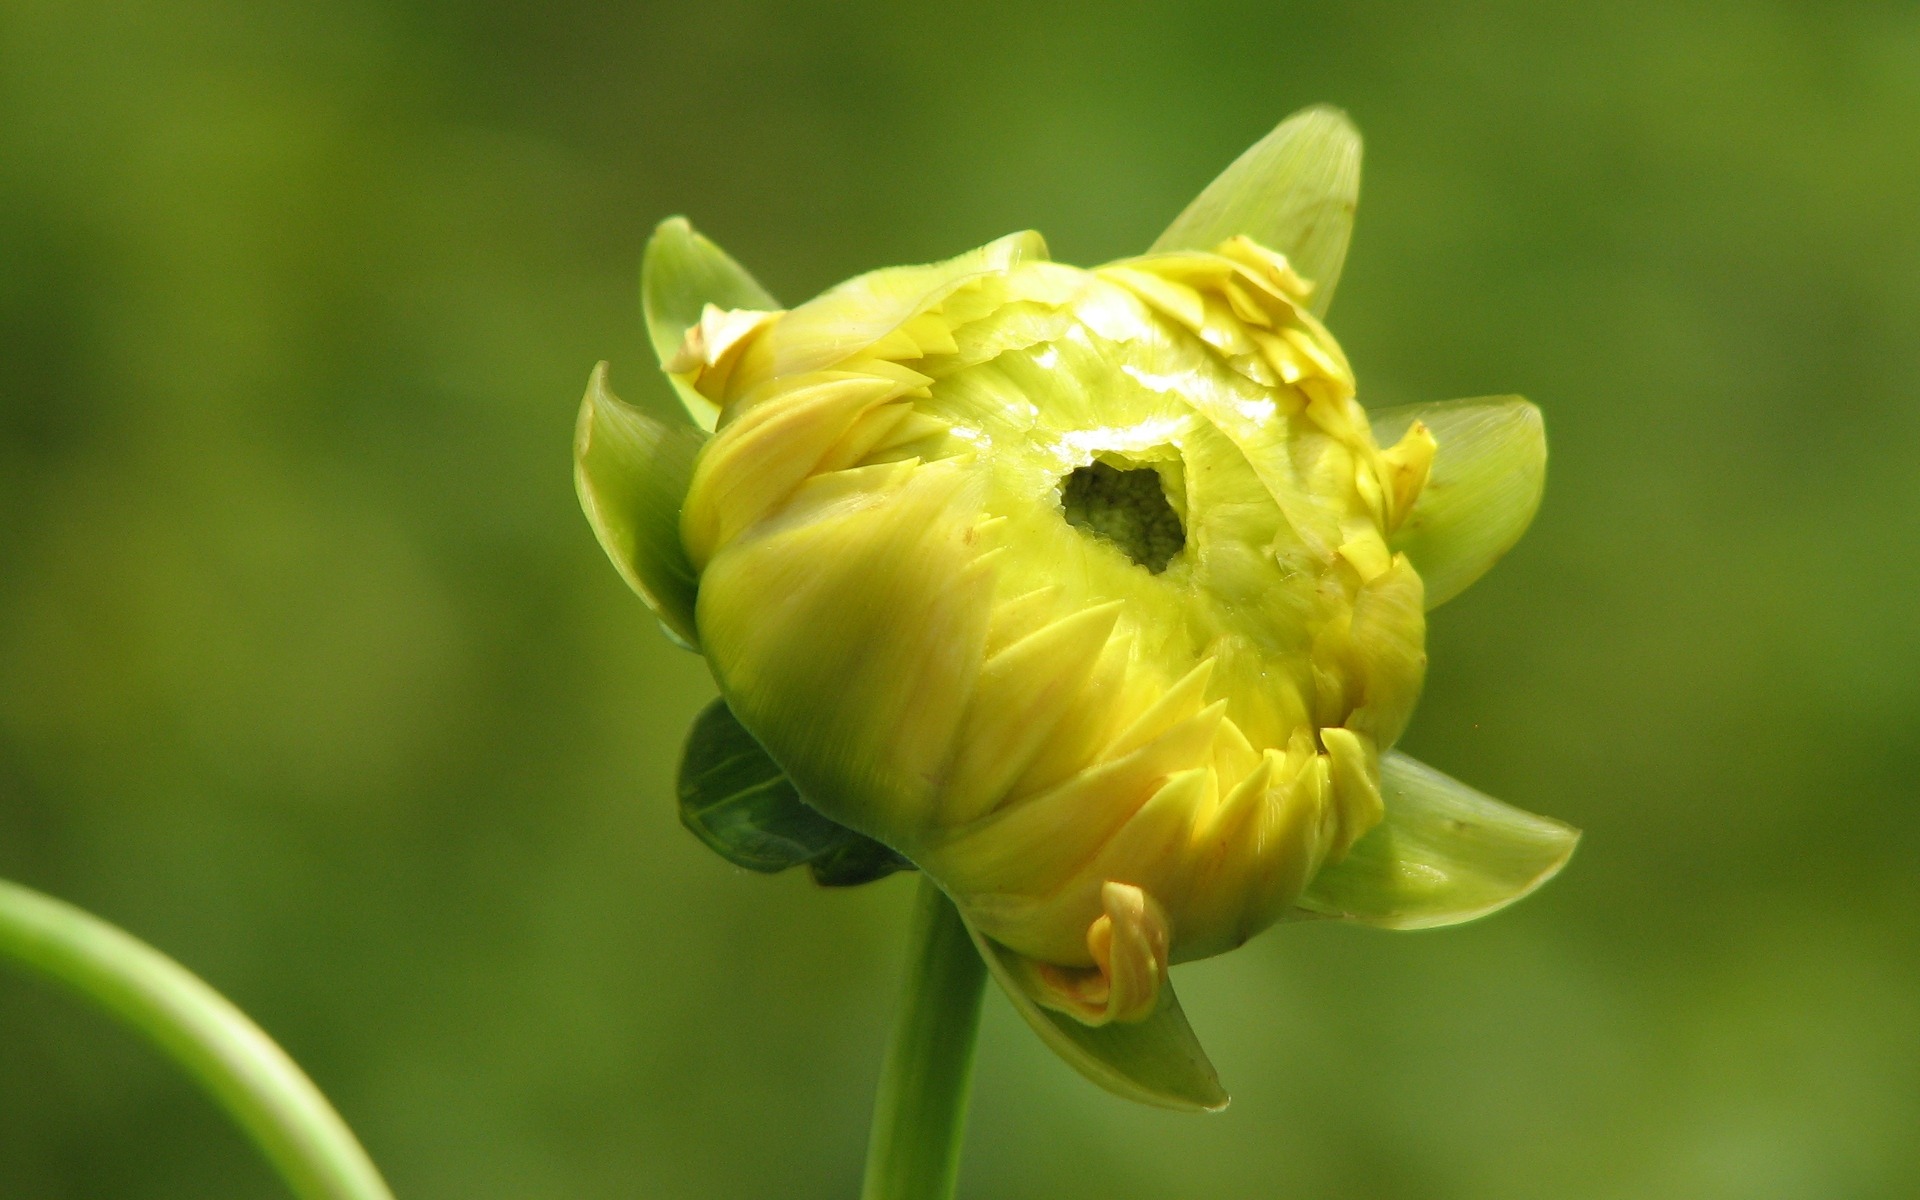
[[914, 1150], [251, 1077]]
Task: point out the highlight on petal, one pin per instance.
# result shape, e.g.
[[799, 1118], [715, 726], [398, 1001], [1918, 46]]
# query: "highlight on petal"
[[1482, 491], [682, 274], [1294, 191], [632, 473], [1155, 1061], [1444, 853]]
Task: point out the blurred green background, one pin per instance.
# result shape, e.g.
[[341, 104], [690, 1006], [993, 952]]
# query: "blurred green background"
[[312, 674]]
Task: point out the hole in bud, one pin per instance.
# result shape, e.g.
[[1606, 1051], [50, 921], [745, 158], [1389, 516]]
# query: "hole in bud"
[[1128, 507]]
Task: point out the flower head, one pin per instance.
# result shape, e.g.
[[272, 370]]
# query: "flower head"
[[1094, 594]]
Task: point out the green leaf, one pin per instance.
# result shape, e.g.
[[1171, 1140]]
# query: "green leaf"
[[738, 801], [632, 473], [1443, 854], [857, 859], [682, 273], [1488, 473], [1157, 1061], [1294, 191]]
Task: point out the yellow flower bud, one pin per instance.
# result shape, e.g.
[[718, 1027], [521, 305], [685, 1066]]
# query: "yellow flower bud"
[[1094, 594], [1058, 580]]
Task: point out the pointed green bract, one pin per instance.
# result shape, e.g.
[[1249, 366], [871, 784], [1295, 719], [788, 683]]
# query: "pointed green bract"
[[1444, 853], [1294, 191], [682, 273], [1488, 473], [736, 799], [1157, 1061], [632, 473]]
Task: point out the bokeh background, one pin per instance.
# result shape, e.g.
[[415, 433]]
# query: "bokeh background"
[[312, 674]]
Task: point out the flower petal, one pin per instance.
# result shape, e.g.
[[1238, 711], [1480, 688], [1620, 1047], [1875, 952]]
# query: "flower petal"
[[1154, 1061], [682, 273], [1294, 191], [854, 316], [1444, 853], [855, 678], [1482, 492], [632, 473]]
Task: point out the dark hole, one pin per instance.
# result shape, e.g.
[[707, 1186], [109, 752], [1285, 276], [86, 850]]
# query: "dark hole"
[[1126, 507]]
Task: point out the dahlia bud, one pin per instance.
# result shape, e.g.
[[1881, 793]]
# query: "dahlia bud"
[[1094, 594]]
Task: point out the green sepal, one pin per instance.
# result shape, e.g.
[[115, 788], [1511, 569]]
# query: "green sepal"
[[1293, 191], [1488, 472], [1157, 1061], [737, 800], [683, 272], [632, 473], [1444, 853]]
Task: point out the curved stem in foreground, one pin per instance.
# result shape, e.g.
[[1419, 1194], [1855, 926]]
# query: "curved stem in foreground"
[[238, 1064], [920, 1112]]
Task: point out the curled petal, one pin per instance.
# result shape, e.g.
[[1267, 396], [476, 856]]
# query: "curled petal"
[[1294, 191], [632, 474], [1156, 1060], [1444, 853], [1489, 467], [683, 274], [1128, 942]]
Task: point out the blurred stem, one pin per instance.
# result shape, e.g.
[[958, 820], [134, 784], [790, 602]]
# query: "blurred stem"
[[240, 1066], [913, 1152]]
